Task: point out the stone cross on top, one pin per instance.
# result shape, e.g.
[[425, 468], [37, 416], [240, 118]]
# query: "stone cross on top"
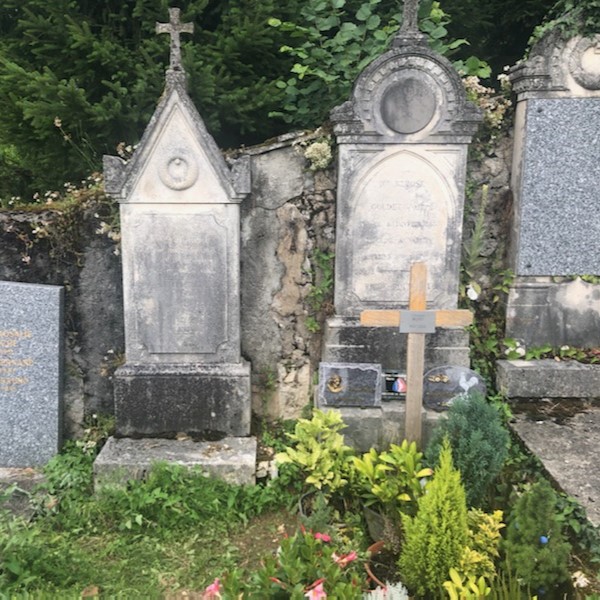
[[175, 27], [410, 26]]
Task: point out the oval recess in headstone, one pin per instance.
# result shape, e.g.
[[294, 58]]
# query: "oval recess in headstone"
[[442, 385], [408, 105]]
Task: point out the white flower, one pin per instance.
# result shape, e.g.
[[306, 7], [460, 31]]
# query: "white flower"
[[580, 580], [472, 293]]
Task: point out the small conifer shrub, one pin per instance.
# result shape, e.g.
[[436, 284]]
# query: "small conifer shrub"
[[436, 537], [535, 544], [479, 444]]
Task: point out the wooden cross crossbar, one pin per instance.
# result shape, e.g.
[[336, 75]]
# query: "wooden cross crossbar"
[[415, 350]]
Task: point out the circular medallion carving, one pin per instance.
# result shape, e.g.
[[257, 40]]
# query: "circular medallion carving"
[[408, 105], [179, 172], [585, 63]]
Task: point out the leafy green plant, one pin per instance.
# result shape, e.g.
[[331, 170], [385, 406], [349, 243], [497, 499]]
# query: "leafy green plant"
[[535, 542], [436, 537], [483, 546], [460, 587], [392, 479], [319, 451], [582, 534], [335, 40], [100, 68], [571, 17], [479, 443]]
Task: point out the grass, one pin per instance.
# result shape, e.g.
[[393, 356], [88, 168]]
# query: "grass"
[[172, 534], [176, 531]]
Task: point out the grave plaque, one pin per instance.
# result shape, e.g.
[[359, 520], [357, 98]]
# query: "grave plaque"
[[559, 188], [442, 385], [350, 384], [31, 356]]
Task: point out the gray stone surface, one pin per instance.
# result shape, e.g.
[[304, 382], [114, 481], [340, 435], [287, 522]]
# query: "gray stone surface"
[[349, 384], [208, 401], [542, 311], [559, 188], [347, 341], [402, 142], [547, 379], [381, 426], [569, 451], [17, 490], [442, 385], [180, 227], [231, 459], [31, 373]]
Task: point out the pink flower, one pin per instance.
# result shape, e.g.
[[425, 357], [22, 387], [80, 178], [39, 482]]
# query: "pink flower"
[[342, 561], [213, 591], [317, 592], [323, 537]]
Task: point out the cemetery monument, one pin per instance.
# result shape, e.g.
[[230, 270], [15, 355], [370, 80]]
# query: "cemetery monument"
[[402, 138], [179, 202], [555, 239]]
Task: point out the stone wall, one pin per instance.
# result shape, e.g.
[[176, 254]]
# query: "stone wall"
[[288, 232], [65, 248], [287, 219]]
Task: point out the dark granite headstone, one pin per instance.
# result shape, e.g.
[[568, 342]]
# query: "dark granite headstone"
[[31, 352], [350, 384], [443, 384]]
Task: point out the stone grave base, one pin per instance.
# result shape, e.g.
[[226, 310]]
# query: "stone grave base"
[[232, 459], [542, 311], [381, 426], [568, 449], [347, 341], [197, 399], [547, 379], [25, 480]]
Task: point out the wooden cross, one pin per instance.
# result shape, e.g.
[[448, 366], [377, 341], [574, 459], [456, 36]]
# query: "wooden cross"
[[417, 321], [175, 27]]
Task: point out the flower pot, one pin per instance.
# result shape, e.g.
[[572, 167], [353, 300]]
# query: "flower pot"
[[374, 550]]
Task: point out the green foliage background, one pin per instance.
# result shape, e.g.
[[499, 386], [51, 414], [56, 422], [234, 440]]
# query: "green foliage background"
[[99, 68]]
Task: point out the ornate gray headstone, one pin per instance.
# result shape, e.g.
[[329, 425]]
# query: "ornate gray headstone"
[[442, 385], [402, 138], [31, 372], [350, 384], [179, 206]]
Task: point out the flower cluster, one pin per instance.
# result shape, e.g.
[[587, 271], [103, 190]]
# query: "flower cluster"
[[319, 155], [307, 564], [493, 105]]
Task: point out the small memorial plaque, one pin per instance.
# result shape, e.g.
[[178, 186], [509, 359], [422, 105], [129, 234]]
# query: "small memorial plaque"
[[417, 321], [442, 385], [350, 384], [394, 386], [30, 373]]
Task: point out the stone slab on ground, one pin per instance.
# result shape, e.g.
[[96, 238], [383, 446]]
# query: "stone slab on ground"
[[23, 483], [122, 459], [568, 448], [547, 379]]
